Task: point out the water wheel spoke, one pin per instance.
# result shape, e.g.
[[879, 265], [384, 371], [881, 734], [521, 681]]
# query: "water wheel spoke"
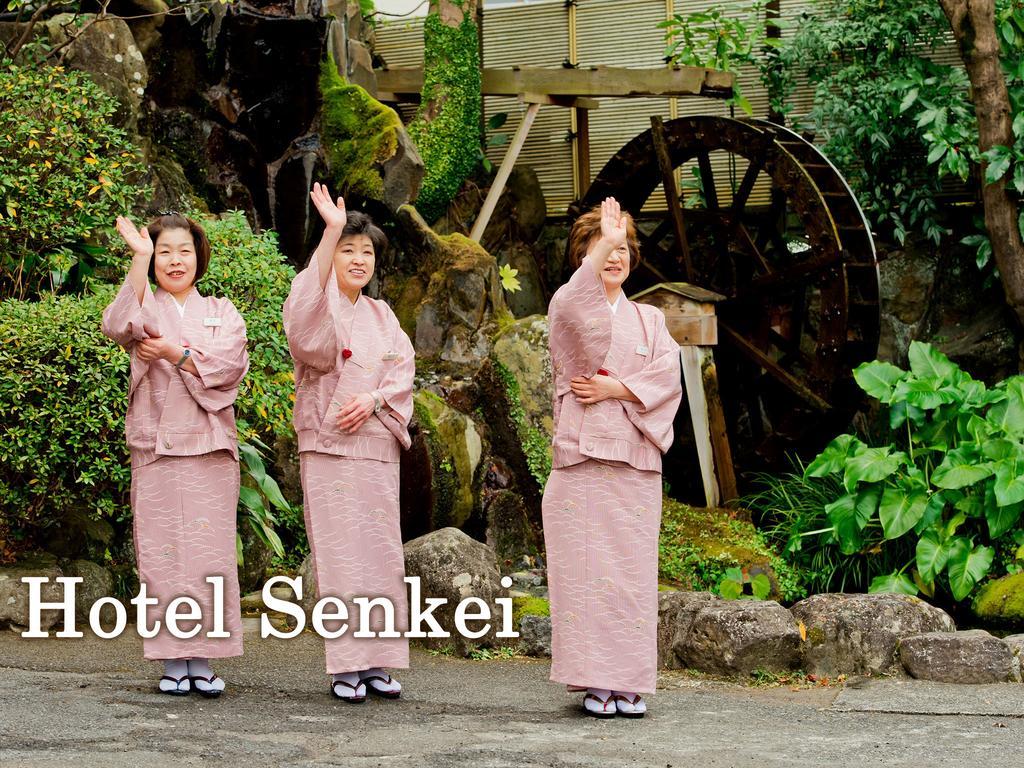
[[739, 201], [772, 368], [747, 243], [788, 277], [707, 179]]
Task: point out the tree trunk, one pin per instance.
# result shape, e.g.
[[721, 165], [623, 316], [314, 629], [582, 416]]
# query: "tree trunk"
[[974, 27], [447, 125]]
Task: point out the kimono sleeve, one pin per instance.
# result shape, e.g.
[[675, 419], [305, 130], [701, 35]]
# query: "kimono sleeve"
[[308, 323], [125, 320], [659, 388], [221, 362], [395, 388]]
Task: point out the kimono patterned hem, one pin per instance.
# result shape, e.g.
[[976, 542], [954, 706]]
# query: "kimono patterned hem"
[[602, 502]]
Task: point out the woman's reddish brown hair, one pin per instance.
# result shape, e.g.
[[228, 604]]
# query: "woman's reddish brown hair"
[[588, 226], [175, 220]]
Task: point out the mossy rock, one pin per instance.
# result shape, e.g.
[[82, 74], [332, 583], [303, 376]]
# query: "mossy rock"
[[1001, 601], [461, 305], [359, 135], [455, 449], [698, 544], [529, 606]]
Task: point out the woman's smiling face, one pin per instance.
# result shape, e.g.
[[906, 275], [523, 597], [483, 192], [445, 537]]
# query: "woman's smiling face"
[[354, 260], [616, 269], [175, 260]]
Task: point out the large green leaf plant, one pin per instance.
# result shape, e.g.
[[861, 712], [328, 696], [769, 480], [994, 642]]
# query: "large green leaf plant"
[[951, 484]]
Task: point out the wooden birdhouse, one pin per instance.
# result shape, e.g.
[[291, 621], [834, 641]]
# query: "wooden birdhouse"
[[689, 311]]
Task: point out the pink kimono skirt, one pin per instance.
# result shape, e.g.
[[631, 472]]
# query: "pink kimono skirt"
[[601, 525], [355, 538], [184, 510]]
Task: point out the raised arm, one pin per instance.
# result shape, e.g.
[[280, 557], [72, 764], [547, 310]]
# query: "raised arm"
[[335, 218], [132, 315]]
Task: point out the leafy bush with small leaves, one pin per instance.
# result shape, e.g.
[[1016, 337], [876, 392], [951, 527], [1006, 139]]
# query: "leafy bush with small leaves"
[[65, 172], [63, 390], [951, 487]]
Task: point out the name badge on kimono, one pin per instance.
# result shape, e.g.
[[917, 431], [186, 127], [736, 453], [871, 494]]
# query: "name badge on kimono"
[[389, 356], [209, 322], [641, 349]]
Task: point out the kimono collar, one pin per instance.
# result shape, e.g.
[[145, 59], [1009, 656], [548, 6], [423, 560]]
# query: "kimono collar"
[[190, 300]]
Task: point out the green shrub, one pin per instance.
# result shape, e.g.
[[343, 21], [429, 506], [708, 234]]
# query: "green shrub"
[[63, 392], [65, 172], [790, 512], [948, 488]]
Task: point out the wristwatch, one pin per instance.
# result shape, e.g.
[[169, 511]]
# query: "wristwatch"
[[377, 404], [185, 355]]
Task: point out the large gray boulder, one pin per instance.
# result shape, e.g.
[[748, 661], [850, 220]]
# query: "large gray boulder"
[[453, 566], [14, 593], [736, 637], [535, 635], [971, 656], [676, 612], [857, 634], [96, 582]]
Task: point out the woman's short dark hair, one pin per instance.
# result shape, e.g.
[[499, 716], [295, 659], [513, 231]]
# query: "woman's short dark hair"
[[360, 223], [174, 220]]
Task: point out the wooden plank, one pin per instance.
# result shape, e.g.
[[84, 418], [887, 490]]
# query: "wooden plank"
[[692, 330], [584, 81], [580, 103], [668, 180], [716, 426], [498, 186], [690, 361]]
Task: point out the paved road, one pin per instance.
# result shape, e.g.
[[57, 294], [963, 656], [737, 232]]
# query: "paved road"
[[90, 703]]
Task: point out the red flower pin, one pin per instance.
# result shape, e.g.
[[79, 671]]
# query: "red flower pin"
[[346, 353]]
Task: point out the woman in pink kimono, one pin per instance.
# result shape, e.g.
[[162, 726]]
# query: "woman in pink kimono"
[[354, 368], [617, 388], [188, 355]]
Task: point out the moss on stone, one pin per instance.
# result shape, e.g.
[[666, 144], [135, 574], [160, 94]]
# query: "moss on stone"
[[1001, 600], [529, 606], [536, 445], [455, 440], [698, 544], [358, 133], [444, 483]]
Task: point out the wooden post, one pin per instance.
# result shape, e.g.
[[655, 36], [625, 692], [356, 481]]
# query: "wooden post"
[[583, 148], [503, 173]]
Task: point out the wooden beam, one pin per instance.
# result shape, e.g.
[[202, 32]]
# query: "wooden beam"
[[577, 102], [407, 83], [498, 186]]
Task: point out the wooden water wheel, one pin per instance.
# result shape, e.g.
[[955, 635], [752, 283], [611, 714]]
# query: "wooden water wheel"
[[798, 269]]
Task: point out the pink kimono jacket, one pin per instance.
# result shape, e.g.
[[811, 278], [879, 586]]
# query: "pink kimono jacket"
[[321, 326], [582, 343], [172, 412]]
